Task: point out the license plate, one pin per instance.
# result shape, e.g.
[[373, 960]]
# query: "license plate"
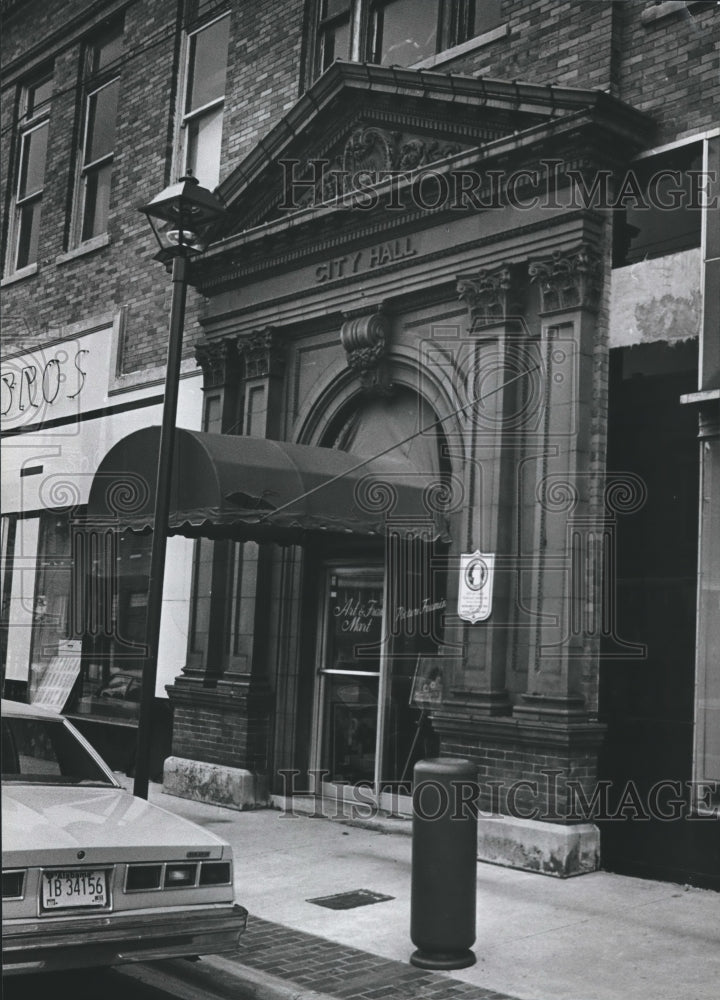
[[61, 890]]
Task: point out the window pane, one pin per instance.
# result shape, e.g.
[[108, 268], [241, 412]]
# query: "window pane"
[[102, 115], [97, 201], [669, 222], [408, 32], [208, 64], [28, 233], [38, 95], [203, 147], [46, 752], [32, 164], [335, 44], [331, 8], [488, 15], [354, 614], [350, 728], [106, 50]]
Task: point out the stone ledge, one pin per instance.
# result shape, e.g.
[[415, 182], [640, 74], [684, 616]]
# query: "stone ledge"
[[232, 787], [546, 848], [527, 845]]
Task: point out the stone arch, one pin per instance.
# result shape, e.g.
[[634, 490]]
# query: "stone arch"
[[342, 389]]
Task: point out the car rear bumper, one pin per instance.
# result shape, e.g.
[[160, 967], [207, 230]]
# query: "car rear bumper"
[[45, 946]]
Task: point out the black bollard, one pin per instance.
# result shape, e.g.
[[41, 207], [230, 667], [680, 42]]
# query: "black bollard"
[[444, 863]]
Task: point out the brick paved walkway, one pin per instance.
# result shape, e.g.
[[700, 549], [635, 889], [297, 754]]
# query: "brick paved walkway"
[[313, 963]]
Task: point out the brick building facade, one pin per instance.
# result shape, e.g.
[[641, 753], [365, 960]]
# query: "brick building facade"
[[472, 247]]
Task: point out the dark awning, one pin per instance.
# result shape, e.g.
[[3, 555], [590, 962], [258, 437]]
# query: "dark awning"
[[253, 489]]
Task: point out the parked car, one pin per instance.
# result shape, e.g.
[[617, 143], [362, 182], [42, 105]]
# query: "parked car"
[[92, 875], [124, 686]]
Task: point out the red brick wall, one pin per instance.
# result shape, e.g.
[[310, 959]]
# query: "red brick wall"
[[668, 66], [263, 80], [525, 778]]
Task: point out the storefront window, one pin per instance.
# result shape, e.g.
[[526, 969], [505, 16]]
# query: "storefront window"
[[113, 652], [55, 650]]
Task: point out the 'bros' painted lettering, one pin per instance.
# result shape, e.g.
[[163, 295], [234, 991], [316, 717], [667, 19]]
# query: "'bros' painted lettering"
[[30, 386]]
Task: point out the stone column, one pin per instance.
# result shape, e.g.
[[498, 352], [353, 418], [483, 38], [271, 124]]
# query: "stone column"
[[245, 679], [222, 398], [223, 701], [567, 572], [499, 356]]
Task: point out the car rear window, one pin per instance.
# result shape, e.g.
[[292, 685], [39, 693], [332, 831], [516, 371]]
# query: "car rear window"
[[45, 751]]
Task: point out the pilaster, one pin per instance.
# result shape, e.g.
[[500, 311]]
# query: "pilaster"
[[498, 357], [568, 563]]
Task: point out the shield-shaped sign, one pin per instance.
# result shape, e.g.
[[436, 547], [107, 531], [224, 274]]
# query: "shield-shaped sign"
[[476, 586]]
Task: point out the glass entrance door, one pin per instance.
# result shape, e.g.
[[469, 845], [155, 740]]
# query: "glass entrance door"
[[368, 729], [349, 677]]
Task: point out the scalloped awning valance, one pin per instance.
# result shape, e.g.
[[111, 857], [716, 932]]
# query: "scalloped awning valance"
[[255, 489]]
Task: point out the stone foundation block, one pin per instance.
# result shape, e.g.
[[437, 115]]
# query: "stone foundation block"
[[547, 848], [233, 787]]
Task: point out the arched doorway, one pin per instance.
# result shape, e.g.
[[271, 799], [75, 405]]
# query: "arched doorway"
[[379, 620]]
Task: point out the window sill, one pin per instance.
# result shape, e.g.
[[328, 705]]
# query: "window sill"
[[89, 246], [460, 50], [19, 275]]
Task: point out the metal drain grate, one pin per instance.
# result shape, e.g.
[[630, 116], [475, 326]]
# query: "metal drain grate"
[[349, 900]]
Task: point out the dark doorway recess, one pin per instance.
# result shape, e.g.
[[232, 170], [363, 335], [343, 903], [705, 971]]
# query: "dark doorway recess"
[[648, 703]]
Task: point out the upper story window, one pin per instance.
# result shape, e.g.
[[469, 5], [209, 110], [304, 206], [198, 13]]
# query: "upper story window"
[[34, 124], [399, 32], [660, 206], [205, 99], [100, 106]]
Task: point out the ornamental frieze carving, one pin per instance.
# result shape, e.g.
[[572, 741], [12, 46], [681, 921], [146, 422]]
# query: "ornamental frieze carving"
[[367, 157], [365, 340], [568, 280], [492, 296], [219, 362], [264, 353]]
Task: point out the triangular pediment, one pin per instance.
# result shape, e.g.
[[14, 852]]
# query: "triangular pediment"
[[359, 122]]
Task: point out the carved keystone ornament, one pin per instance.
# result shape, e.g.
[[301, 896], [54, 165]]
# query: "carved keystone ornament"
[[365, 341]]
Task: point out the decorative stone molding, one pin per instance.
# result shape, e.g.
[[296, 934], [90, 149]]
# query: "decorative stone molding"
[[568, 280], [372, 152], [492, 296], [365, 339], [263, 352], [219, 362]]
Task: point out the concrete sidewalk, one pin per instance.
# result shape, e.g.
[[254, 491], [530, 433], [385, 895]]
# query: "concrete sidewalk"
[[594, 937]]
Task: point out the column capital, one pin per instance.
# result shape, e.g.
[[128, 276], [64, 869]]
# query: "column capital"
[[493, 295], [569, 279], [264, 353], [218, 360]]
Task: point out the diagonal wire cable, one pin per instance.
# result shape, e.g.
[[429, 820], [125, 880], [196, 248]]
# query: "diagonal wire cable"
[[398, 444]]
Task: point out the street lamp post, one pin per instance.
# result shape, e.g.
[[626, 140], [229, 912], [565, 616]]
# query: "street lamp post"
[[179, 216]]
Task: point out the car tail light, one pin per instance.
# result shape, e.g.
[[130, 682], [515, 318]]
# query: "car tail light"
[[178, 876], [13, 884], [143, 877], [215, 873]]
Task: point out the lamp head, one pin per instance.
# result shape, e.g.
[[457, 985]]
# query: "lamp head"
[[181, 216]]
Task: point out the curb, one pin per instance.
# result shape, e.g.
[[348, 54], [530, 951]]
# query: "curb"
[[263, 985]]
